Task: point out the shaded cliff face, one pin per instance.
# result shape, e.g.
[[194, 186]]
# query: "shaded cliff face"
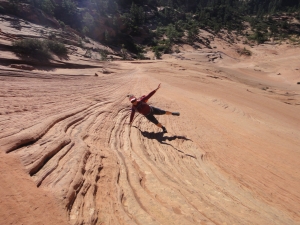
[[96, 28], [29, 13], [68, 155]]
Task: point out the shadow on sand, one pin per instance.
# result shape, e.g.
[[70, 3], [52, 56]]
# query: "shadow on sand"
[[161, 139]]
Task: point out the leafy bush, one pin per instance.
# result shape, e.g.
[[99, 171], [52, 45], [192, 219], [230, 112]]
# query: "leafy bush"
[[88, 54], [259, 37], [39, 49], [34, 48], [157, 53], [141, 56], [164, 46], [172, 33], [62, 24], [103, 54], [56, 47], [244, 51]]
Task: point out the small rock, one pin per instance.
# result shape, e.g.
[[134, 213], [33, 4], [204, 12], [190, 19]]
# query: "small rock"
[[96, 75], [104, 71], [279, 74]]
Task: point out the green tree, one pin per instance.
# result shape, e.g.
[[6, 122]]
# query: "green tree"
[[124, 52], [157, 53], [46, 5], [171, 33], [259, 36], [88, 23], [192, 34], [66, 11], [137, 14], [107, 37]]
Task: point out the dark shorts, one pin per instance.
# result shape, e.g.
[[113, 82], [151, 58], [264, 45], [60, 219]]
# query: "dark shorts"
[[155, 111]]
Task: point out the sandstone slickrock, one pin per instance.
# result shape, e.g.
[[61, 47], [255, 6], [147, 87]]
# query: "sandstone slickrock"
[[68, 156], [231, 157]]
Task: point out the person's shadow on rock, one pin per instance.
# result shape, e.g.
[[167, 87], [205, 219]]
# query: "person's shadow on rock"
[[161, 138]]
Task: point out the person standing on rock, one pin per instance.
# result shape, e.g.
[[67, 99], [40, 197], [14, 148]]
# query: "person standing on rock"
[[140, 105]]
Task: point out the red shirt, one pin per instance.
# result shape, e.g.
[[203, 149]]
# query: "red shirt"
[[142, 107]]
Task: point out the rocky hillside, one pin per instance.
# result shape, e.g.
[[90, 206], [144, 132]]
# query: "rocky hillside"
[[160, 26]]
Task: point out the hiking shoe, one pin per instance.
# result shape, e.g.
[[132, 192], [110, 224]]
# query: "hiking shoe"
[[164, 130], [176, 114]]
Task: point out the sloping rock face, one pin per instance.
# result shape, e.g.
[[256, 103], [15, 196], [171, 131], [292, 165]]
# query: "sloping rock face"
[[68, 155], [224, 160], [21, 202]]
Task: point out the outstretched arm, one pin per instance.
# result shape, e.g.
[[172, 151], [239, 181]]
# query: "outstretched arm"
[[157, 87], [131, 116], [150, 94]]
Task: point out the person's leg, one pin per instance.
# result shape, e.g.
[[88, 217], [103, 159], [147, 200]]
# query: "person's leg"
[[157, 111], [152, 119], [162, 127], [172, 113]]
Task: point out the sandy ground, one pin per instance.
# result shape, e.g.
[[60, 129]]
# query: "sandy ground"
[[68, 155]]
